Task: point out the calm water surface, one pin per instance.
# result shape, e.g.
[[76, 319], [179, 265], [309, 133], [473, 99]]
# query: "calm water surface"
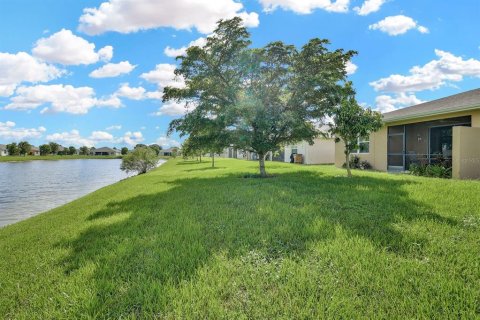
[[31, 187]]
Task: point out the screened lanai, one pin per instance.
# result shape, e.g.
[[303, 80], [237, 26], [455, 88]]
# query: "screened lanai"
[[428, 142]]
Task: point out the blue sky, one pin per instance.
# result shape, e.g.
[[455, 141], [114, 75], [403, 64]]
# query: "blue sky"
[[91, 72]]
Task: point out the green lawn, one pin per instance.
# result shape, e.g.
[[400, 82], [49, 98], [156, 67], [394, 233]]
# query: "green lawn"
[[189, 242], [29, 158]]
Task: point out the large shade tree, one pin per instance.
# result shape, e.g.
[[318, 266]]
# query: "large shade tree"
[[260, 98]]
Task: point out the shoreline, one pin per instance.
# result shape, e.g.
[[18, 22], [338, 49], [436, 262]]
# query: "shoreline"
[[53, 158]]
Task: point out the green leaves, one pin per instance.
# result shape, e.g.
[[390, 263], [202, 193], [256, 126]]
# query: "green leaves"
[[256, 99]]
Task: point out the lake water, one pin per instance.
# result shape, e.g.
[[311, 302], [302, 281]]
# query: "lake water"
[[31, 187]]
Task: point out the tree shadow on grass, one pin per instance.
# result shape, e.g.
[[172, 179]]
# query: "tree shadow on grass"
[[161, 239]]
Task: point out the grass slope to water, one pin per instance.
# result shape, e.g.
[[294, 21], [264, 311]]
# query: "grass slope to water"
[[73, 157], [189, 242]]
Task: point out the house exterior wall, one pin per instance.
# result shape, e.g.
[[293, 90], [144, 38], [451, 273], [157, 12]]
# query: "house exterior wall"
[[321, 152], [377, 156], [466, 153]]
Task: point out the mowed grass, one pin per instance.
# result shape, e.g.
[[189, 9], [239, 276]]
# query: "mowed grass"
[[189, 242], [53, 157]]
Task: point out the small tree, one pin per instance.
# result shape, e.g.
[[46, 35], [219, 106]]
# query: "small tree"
[[13, 149], [24, 147], [156, 148], [54, 147], [72, 150], [351, 122], [124, 150], [45, 149], [140, 160], [84, 151]]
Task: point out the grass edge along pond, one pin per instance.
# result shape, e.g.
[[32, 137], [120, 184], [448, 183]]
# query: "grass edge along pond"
[[189, 241]]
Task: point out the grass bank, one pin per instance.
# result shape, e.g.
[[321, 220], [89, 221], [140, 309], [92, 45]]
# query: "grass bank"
[[189, 242], [73, 157]]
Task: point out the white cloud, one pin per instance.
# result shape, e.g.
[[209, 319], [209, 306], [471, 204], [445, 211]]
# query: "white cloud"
[[167, 142], [351, 68], [58, 98], [397, 25], [111, 70], [173, 53], [306, 6], [9, 132], [163, 75], [127, 16], [132, 93], [432, 75], [114, 127], [68, 49], [171, 109], [106, 53], [386, 103], [369, 6], [132, 138], [73, 137], [22, 67]]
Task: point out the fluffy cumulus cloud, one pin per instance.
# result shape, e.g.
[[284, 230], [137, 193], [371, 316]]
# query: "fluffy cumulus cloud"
[[397, 25], [386, 103], [58, 98], [136, 93], [167, 142], [22, 67], [433, 75], [132, 93], [306, 6], [369, 6], [132, 138], [173, 53], [172, 109], [351, 68], [9, 132], [127, 16], [164, 75], [74, 137], [111, 70], [68, 49]]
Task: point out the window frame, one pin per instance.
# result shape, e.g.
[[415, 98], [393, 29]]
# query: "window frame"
[[366, 140]]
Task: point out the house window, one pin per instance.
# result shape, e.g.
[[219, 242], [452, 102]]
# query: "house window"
[[294, 150], [363, 144]]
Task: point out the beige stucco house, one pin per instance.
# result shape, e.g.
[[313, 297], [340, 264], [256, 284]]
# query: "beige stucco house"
[[446, 129], [321, 152]]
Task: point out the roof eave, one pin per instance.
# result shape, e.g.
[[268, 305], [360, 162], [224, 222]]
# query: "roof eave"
[[432, 113]]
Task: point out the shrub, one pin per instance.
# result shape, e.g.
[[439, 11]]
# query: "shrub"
[[356, 163], [431, 170], [141, 160]]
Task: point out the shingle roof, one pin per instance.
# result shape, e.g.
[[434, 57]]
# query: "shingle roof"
[[458, 102]]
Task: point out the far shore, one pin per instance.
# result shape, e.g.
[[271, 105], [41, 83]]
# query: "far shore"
[[51, 157]]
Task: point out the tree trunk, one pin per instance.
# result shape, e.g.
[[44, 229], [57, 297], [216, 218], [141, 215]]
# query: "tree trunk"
[[213, 160], [261, 161], [347, 163], [200, 157]]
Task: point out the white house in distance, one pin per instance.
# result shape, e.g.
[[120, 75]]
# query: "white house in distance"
[[3, 150], [321, 152]]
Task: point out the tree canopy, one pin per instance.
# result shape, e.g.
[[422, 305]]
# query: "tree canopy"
[[255, 99], [140, 160], [351, 122]]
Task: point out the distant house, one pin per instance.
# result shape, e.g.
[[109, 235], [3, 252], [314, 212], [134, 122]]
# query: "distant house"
[[106, 151], [168, 152], [321, 152], [34, 151], [3, 150]]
